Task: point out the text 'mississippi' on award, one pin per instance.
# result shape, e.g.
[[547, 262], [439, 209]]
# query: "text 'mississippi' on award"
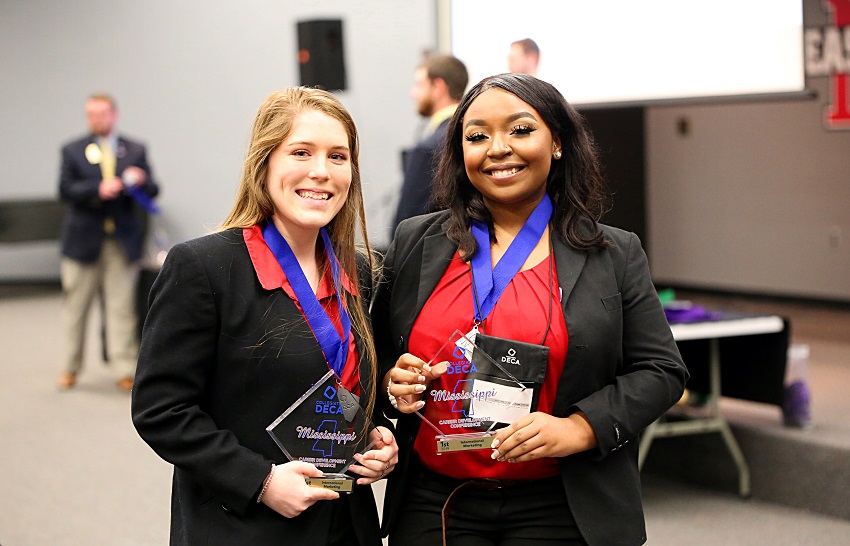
[[476, 396], [325, 427]]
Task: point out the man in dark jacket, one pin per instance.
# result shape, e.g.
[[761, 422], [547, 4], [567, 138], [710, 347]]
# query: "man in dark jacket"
[[438, 86], [106, 181]]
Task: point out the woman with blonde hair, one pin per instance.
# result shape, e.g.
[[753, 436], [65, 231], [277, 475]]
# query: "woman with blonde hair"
[[244, 321]]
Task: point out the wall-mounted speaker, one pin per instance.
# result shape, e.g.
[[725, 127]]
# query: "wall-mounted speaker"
[[320, 54]]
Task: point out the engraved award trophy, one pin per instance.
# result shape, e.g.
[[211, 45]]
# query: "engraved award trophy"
[[474, 398], [325, 427]]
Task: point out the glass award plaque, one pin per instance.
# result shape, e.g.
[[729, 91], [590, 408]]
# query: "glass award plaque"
[[325, 427], [474, 398]]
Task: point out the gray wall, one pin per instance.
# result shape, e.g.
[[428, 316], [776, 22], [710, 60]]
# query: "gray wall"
[[755, 199], [188, 76]]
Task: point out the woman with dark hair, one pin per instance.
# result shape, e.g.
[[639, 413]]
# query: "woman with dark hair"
[[565, 308], [245, 321]]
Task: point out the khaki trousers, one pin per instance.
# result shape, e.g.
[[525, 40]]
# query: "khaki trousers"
[[115, 278]]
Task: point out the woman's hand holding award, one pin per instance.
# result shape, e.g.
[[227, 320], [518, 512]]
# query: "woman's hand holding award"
[[325, 427], [478, 394]]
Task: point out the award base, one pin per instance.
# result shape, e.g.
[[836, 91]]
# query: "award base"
[[450, 443], [341, 483]]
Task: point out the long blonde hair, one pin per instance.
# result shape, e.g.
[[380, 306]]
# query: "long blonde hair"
[[253, 204]]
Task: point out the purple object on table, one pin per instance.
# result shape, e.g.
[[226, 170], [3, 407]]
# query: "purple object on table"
[[690, 313], [795, 407]]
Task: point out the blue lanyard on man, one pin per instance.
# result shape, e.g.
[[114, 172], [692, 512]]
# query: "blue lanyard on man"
[[490, 282], [334, 346]]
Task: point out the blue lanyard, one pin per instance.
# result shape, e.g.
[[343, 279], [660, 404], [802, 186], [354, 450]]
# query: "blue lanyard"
[[334, 346], [489, 282]]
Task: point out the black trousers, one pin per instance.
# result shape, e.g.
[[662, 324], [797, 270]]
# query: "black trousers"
[[341, 532], [486, 513]]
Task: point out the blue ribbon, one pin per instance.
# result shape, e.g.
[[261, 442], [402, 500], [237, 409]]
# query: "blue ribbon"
[[142, 199], [489, 282], [334, 346]]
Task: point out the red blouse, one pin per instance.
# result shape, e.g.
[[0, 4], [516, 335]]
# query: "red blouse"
[[521, 314], [271, 277]]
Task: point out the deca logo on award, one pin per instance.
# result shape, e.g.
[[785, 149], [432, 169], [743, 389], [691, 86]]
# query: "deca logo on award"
[[462, 365], [330, 405]]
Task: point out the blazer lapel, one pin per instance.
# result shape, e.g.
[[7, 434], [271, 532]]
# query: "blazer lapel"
[[569, 263], [120, 157], [437, 253], [420, 275], [94, 168]]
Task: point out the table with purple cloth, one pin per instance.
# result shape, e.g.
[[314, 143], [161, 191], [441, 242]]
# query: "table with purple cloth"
[[753, 351], [728, 354]]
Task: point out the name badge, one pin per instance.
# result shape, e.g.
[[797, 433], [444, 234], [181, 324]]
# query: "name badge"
[[507, 403]]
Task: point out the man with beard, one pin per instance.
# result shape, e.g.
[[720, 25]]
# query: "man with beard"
[[439, 83]]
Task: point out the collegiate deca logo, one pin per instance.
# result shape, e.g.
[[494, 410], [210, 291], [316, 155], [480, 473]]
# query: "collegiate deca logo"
[[828, 54], [330, 405]]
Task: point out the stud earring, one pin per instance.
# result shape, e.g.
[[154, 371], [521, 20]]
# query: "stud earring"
[[558, 154]]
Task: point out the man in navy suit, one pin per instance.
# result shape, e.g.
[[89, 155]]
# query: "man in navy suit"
[[105, 178], [439, 83]]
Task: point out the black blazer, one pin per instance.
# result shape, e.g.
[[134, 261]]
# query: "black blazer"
[[83, 233], [221, 358], [622, 370], [419, 164]]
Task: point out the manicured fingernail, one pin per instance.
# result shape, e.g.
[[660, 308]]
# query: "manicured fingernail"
[[495, 455], [495, 443], [421, 378], [419, 405], [511, 460], [419, 388], [426, 367]]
